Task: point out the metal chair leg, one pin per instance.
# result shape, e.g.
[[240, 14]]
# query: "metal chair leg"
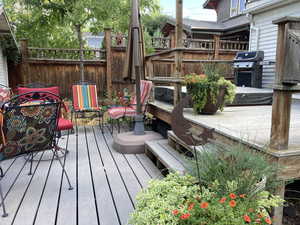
[[63, 168], [2, 203], [1, 172], [31, 162], [101, 122], [118, 124]]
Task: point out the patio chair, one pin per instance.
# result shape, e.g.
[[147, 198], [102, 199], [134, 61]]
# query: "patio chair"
[[64, 124], [118, 112], [85, 99], [29, 126]]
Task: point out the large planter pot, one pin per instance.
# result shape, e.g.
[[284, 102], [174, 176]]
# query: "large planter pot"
[[211, 107]]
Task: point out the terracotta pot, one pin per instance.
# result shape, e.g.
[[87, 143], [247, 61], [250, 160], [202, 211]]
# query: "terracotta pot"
[[210, 108]]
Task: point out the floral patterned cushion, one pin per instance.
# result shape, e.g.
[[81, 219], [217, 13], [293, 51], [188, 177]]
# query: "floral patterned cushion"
[[29, 128]]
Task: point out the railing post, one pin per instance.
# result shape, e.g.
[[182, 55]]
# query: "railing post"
[[25, 65], [172, 39], [108, 62], [216, 46], [178, 54]]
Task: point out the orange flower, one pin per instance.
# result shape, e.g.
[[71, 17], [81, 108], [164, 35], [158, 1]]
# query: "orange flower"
[[202, 76], [247, 219], [260, 215], [250, 210], [204, 205], [175, 212], [222, 200], [232, 203], [185, 216], [268, 220], [191, 206], [242, 196], [232, 196]]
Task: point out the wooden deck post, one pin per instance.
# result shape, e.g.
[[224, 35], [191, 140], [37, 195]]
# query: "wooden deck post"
[[179, 54], [108, 63], [216, 46], [24, 65], [282, 97]]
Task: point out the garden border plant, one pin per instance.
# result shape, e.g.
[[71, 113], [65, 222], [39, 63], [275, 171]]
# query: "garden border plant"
[[209, 88]]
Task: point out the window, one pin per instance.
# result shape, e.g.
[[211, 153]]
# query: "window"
[[237, 7]]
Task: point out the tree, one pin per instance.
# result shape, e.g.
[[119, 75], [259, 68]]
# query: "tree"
[[50, 22]]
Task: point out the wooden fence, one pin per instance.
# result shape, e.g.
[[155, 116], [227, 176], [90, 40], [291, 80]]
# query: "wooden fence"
[[105, 66]]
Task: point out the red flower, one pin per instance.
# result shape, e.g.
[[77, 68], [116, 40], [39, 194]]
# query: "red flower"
[[204, 205], [222, 200], [247, 219], [268, 220], [191, 206], [185, 216], [175, 212], [232, 203], [232, 196], [242, 196]]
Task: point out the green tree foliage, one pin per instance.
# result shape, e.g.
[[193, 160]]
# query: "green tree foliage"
[[51, 23]]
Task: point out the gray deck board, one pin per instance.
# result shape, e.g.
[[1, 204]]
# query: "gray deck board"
[[107, 184]]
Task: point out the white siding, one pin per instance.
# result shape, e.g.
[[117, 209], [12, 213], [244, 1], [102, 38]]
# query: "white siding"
[[267, 39], [3, 69]]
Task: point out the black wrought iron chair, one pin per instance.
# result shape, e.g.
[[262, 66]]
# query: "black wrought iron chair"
[[29, 127]]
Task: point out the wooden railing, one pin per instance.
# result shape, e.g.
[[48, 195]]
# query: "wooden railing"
[[161, 43], [234, 45], [65, 54], [177, 62], [204, 44]]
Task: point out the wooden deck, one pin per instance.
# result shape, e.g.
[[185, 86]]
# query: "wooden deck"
[[105, 184]]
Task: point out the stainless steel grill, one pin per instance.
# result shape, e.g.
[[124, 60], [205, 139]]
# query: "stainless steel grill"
[[248, 69]]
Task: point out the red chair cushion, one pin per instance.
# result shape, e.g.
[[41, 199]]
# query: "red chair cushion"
[[64, 124], [53, 90]]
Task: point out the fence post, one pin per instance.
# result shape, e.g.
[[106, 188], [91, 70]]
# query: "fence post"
[[216, 46], [25, 65], [108, 62]]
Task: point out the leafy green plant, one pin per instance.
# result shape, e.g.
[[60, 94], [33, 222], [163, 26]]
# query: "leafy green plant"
[[10, 49], [234, 163], [206, 87], [178, 200], [155, 203], [232, 209]]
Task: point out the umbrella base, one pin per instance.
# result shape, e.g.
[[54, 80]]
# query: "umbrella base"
[[129, 143]]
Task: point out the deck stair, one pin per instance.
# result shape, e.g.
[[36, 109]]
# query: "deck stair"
[[170, 154]]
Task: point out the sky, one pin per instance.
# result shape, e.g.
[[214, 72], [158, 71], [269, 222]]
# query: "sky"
[[192, 9]]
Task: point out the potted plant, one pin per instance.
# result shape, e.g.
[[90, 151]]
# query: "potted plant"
[[210, 91]]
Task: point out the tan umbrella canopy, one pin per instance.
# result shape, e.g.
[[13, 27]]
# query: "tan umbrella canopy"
[[129, 67]]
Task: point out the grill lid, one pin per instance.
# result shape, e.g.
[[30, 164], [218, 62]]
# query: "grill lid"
[[249, 56]]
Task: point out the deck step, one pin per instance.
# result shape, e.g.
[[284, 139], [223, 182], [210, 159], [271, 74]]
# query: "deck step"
[[165, 156], [177, 144]]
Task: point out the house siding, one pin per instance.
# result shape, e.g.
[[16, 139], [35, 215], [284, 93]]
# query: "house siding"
[[3, 69], [267, 36], [223, 10]]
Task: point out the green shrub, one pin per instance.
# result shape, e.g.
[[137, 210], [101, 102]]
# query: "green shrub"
[[234, 163], [206, 87], [178, 200], [155, 203]]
